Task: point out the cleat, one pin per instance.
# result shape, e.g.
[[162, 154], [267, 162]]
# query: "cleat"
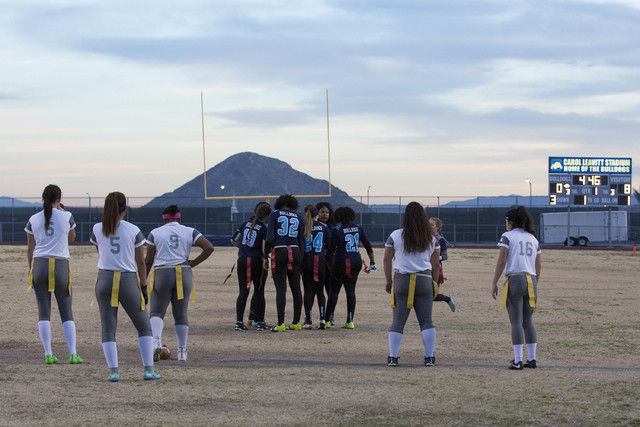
[[279, 328], [294, 327], [530, 364], [517, 366], [156, 354], [392, 361], [328, 324], [452, 304], [151, 375], [182, 354], [322, 325], [307, 325], [429, 361], [348, 325], [74, 359], [241, 326], [114, 377], [50, 359]]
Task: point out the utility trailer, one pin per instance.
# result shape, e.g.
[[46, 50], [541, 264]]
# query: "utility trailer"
[[582, 228]]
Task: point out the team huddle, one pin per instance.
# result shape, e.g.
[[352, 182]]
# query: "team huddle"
[[319, 248]]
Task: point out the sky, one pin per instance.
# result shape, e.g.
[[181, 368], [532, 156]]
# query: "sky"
[[426, 98]]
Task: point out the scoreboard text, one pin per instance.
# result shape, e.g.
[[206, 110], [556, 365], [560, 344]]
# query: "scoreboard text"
[[589, 181]]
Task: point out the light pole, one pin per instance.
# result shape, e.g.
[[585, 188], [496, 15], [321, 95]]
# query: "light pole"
[[368, 188], [528, 181], [89, 195]]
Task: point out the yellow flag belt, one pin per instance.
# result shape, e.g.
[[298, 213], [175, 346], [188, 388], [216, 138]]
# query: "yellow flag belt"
[[533, 298]]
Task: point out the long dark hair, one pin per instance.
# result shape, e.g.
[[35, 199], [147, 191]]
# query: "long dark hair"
[[416, 231], [114, 204], [50, 195], [519, 217], [331, 221], [261, 211], [286, 201]]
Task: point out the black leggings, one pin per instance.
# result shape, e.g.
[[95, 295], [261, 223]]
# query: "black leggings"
[[339, 278], [313, 277], [250, 271], [61, 292], [287, 268]]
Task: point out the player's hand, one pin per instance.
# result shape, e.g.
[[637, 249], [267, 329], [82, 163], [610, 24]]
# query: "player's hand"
[[144, 294], [373, 268], [494, 290], [265, 264], [387, 287]]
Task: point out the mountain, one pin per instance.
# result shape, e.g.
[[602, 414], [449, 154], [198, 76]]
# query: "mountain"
[[251, 174], [7, 202]]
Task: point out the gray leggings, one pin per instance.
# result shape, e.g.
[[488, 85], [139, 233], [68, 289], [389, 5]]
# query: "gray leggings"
[[41, 288], [520, 312], [128, 296], [165, 291], [422, 301]]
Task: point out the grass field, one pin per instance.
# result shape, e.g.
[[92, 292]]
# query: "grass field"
[[588, 353]]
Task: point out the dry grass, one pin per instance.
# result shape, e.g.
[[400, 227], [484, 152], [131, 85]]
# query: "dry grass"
[[587, 326]]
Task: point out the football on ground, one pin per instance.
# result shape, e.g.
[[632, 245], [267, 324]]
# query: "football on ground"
[[165, 354]]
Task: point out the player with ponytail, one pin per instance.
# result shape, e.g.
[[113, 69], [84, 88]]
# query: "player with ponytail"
[[122, 277], [316, 236], [249, 239], [49, 233], [519, 259]]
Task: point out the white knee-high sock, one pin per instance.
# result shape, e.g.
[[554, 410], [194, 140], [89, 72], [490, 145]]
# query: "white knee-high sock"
[[44, 328], [146, 350], [182, 331], [69, 330], [531, 351], [110, 354], [395, 339], [517, 352], [157, 325], [429, 341]]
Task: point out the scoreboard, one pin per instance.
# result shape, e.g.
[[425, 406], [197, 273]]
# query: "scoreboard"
[[590, 181]]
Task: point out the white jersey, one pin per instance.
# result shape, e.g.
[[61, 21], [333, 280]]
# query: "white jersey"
[[523, 249], [54, 241], [173, 243], [117, 252], [409, 263]]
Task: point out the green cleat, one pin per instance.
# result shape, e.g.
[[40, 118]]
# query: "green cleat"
[[74, 359], [295, 327], [50, 359], [348, 325], [279, 328], [151, 375], [114, 377], [452, 304]]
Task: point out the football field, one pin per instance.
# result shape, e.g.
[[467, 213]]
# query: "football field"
[[588, 354]]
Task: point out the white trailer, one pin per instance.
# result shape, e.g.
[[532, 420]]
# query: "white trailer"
[[581, 228]]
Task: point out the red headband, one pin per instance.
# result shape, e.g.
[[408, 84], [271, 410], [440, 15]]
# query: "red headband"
[[171, 216]]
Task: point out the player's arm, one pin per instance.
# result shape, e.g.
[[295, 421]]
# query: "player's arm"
[[142, 268], [207, 249], [367, 246], [435, 264], [148, 260], [538, 267], [72, 236], [387, 265], [235, 239], [502, 262], [31, 245]]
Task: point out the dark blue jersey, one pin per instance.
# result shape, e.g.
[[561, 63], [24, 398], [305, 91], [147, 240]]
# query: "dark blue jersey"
[[285, 228], [318, 242], [346, 238], [251, 240]]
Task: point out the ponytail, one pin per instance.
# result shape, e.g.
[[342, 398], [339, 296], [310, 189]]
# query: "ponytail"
[[310, 212], [261, 211], [519, 217], [50, 195], [114, 204]]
